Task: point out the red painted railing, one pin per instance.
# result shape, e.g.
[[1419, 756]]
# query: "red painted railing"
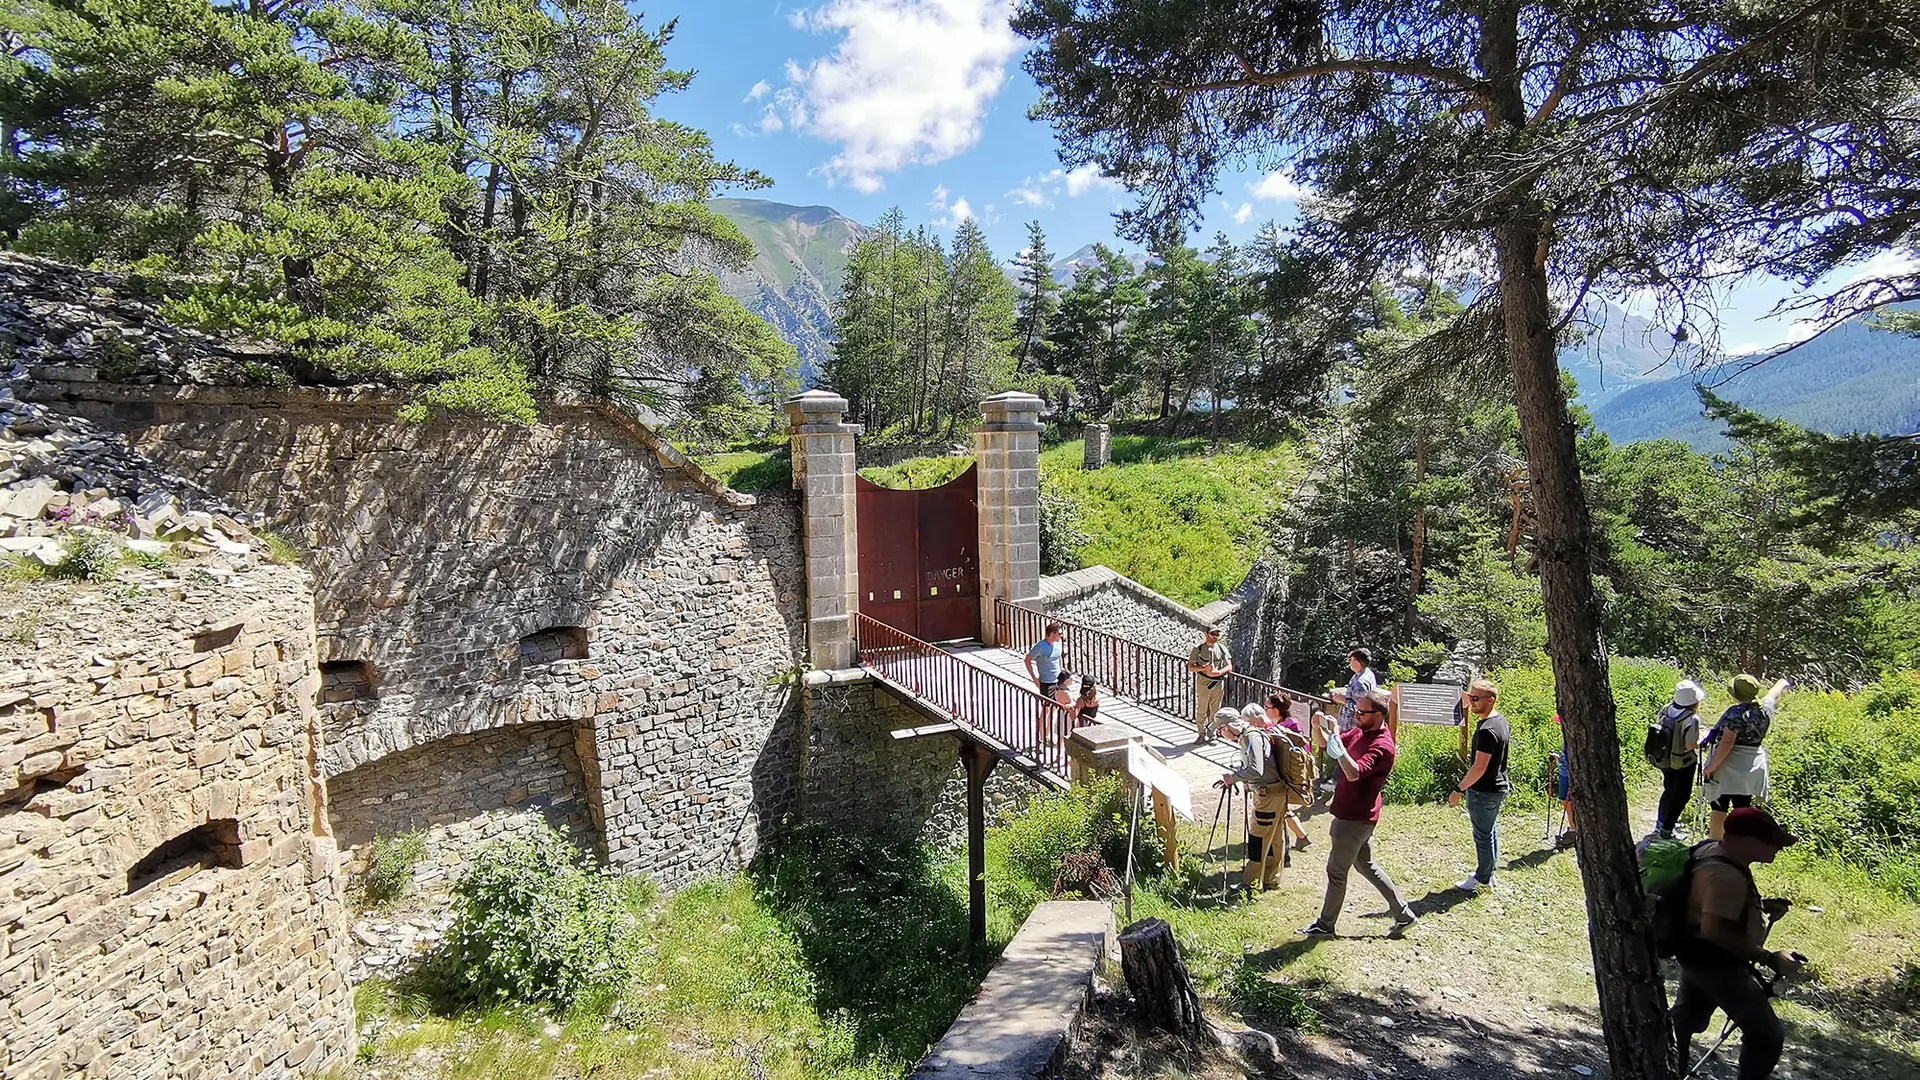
[[1148, 675], [1032, 727]]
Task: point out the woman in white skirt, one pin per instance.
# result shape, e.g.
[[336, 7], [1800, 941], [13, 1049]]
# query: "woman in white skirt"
[[1735, 770]]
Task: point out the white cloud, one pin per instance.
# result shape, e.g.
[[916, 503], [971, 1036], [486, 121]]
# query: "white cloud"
[[1245, 212], [1278, 186], [1086, 178], [1028, 195], [760, 89], [908, 83], [1886, 264], [948, 214], [1041, 190]]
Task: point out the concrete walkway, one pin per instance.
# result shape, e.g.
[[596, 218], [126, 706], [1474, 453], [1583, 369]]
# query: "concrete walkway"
[[1030, 1001]]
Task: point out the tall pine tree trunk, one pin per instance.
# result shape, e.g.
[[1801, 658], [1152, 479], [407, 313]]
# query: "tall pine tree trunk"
[[1633, 1001]]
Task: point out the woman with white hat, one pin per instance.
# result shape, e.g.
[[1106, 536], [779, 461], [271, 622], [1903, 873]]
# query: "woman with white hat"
[[1673, 747]]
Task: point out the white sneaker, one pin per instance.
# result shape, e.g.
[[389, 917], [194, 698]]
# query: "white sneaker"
[[1470, 883]]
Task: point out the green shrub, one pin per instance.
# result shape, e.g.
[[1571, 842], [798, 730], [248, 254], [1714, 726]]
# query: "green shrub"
[[21, 568], [390, 866], [534, 922], [91, 555], [758, 469], [1024, 853], [280, 551], [150, 560]]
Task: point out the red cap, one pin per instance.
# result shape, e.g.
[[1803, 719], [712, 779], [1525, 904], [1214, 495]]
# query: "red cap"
[[1758, 824]]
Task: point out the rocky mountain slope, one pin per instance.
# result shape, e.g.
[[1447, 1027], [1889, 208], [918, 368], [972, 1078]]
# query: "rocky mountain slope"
[[800, 260]]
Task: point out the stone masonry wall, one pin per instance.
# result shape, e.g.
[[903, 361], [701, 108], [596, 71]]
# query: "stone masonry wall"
[[438, 549], [170, 903], [462, 791], [1106, 601], [854, 774]]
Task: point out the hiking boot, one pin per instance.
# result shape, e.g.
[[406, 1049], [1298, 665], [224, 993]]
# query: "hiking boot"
[[1314, 929], [1470, 883], [1565, 840], [1301, 843], [1401, 926]]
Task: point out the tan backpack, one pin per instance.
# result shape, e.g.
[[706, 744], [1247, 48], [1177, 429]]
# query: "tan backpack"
[[1292, 759]]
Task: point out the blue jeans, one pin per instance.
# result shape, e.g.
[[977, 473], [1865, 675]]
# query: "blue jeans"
[[1483, 809]]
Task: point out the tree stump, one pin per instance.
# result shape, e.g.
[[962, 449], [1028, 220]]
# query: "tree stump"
[[1162, 989]]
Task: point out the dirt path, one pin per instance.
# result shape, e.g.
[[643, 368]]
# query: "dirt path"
[[1501, 984]]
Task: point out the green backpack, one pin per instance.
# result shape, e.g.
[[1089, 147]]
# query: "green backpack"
[[1666, 873]]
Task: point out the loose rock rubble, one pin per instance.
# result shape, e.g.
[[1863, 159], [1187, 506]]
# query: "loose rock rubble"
[[391, 943], [65, 482], [81, 325]]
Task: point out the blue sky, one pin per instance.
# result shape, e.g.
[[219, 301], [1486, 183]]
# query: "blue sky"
[[865, 104]]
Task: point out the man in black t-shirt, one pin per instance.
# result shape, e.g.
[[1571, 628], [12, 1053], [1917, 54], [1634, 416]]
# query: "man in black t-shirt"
[[1485, 785]]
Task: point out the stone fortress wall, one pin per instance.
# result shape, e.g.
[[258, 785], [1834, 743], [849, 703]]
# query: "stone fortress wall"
[[173, 903], [482, 577]]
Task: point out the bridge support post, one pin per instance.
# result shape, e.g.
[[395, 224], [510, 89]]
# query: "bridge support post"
[[979, 762], [823, 473], [1007, 450]]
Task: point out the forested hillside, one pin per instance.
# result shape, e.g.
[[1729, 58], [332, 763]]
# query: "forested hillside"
[[1852, 378]]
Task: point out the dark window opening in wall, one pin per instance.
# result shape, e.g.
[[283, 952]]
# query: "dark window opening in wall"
[[345, 680], [554, 643], [215, 844]]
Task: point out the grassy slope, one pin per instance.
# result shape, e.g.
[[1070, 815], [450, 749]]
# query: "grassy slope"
[[1170, 515], [793, 241], [1167, 513]]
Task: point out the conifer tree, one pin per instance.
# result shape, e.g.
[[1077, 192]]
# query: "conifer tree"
[[1039, 298]]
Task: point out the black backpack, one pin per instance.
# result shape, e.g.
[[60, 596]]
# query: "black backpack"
[[1663, 738]]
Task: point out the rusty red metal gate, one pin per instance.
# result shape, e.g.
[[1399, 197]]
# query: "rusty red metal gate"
[[920, 559]]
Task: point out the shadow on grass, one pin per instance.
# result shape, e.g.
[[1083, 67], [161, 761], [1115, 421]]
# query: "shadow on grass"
[[883, 936], [1531, 859]]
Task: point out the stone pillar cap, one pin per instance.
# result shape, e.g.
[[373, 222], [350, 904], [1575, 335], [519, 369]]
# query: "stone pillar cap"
[[812, 403], [1012, 410], [818, 411]]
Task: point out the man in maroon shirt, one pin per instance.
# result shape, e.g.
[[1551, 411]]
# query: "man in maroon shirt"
[[1365, 758]]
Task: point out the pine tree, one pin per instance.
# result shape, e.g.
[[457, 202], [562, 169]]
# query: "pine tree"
[[1039, 298]]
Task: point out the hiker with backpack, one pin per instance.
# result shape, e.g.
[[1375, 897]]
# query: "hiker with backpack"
[[1273, 764], [1673, 747], [1707, 914], [1735, 773], [1279, 717]]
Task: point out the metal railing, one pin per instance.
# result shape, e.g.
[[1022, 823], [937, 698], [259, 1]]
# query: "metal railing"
[[1147, 675], [1030, 726]]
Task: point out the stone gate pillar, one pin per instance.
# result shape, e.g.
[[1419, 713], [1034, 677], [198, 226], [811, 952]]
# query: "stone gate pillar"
[[823, 473], [1007, 450], [1098, 446]]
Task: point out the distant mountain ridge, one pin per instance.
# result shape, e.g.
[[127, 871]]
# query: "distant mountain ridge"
[[1634, 376], [800, 261], [1852, 378]]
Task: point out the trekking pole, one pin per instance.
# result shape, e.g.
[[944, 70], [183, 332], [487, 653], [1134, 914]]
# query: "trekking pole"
[[1219, 811], [1226, 850]]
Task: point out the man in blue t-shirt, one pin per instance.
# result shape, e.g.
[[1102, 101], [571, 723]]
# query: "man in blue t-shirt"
[[1043, 660]]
